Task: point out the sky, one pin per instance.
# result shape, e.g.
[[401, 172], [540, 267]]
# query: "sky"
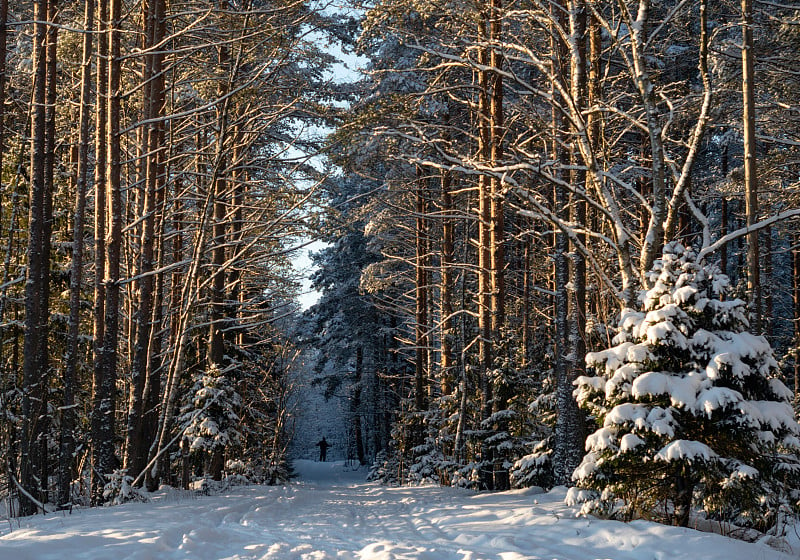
[[348, 70], [302, 263]]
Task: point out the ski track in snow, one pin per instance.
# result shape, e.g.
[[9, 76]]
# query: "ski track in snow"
[[332, 514]]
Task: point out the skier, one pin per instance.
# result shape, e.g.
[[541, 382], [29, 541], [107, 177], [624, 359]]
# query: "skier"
[[323, 449]]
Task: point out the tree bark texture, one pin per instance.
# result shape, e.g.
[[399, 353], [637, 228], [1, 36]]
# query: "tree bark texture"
[[750, 167], [67, 446], [104, 404], [153, 111], [35, 366], [421, 303]]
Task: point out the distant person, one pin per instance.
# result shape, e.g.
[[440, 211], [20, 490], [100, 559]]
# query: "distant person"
[[323, 449]]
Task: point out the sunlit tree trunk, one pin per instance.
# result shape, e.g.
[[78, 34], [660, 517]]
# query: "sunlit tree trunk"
[[654, 232], [35, 362], [152, 388], [216, 346], [750, 168], [153, 111], [356, 406], [579, 89], [68, 415], [723, 251], [421, 304], [796, 301], [485, 347], [3, 78], [236, 292], [100, 220], [497, 223], [565, 404], [768, 307], [104, 456], [447, 361], [51, 144]]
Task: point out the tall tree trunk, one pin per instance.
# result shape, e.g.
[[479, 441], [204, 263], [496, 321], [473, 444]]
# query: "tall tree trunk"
[[723, 252], [446, 288], [216, 346], [103, 420], [459, 447], [565, 403], [356, 406], [497, 223], [236, 292], [152, 389], [153, 109], [3, 79], [654, 235], [485, 345], [767, 283], [497, 132], [67, 447], [796, 314], [750, 169], [526, 305], [421, 311], [35, 365], [100, 225], [579, 89], [47, 223]]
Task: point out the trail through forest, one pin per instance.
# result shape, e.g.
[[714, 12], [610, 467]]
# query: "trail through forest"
[[331, 513]]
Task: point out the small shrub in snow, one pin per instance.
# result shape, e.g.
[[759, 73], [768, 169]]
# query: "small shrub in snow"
[[235, 466], [536, 468], [385, 469], [689, 408], [118, 489]]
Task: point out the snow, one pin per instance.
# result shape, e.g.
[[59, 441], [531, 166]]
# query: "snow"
[[331, 513], [681, 449], [629, 442]]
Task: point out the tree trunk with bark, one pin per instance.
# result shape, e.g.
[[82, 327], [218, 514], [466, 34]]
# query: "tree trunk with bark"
[[579, 88], [421, 304], [100, 221], [750, 167], [356, 406], [216, 340], [3, 78], [104, 403], [485, 346], [497, 224], [153, 111], [566, 407], [796, 306], [447, 362], [35, 363], [68, 416]]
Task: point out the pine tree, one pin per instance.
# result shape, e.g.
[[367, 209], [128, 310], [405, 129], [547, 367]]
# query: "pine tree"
[[210, 419], [690, 410]]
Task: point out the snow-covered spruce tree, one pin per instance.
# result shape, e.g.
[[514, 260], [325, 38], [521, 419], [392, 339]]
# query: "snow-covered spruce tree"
[[691, 414], [209, 418]]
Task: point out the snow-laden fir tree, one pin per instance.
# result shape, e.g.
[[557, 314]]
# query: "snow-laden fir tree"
[[690, 411], [209, 417]]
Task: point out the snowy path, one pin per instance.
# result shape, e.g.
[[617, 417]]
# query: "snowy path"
[[331, 513]]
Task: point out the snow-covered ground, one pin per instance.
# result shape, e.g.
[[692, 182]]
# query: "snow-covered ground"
[[331, 513]]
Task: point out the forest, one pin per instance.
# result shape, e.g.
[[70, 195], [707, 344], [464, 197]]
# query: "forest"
[[561, 246]]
